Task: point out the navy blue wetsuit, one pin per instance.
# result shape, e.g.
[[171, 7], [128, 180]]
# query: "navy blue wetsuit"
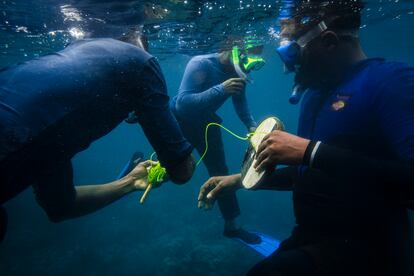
[[351, 205], [200, 95], [55, 106]]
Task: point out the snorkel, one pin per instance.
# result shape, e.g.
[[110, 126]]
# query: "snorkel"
[[236, 63]]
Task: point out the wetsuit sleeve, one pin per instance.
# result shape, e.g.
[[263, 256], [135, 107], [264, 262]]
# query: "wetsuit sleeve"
[[192, 100], [243, 111], [395, 115], [156, 119], [279, 180], [55, 192]]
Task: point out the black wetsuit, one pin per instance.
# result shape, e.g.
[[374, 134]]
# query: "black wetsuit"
[[55, 106], [351, 204]]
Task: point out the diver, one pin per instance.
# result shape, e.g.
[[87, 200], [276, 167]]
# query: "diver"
[[351, 167], [55, 106], [208, 81]]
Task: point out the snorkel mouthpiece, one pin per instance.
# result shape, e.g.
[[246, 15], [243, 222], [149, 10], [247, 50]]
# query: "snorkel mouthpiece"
[[297, 94]]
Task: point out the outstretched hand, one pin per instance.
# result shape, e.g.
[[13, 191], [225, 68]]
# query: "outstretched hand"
[[139, 175], [215, 187]]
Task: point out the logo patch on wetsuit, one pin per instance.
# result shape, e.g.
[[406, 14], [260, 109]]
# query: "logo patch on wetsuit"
[[340, 102]]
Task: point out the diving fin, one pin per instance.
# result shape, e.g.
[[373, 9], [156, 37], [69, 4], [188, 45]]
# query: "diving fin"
[[266, 247], [135, 159]]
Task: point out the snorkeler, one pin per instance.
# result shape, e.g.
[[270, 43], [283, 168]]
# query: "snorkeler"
[[55, 106], [208, 81], [351, 166]]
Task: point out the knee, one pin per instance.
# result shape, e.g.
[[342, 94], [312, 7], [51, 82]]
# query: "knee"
[[55, 217], [183, 172], [57, 214]]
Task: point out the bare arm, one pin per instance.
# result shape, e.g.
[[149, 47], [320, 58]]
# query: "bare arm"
[[91, 198], [62, 201]]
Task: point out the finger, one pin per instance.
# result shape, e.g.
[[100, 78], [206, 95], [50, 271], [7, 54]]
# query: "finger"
[[262, 156], [265, 164], [200, 204], [238, 85], [236, 79], [203, 191], [261, 148], [263, 145], [211, 196], [239, 80], [206, 188], [147, 163]]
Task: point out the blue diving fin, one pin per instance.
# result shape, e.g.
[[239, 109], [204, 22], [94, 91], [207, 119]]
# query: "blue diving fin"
[[266, 247], [135, 159]]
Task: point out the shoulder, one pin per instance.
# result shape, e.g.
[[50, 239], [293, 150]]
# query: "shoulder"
[[390, 72], [394, 82], [108, 47], [201, 60], [378, 77]]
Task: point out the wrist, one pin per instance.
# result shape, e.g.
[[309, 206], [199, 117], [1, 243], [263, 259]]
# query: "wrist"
[[126, 184], [222, 88], [310, 153], [238, 181]]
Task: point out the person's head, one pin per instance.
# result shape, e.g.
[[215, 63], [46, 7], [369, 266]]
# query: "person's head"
[[135, 37], [244, 57], [249, 57], [318, 39]]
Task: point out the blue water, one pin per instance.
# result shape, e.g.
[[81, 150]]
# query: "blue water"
[[168, 235]]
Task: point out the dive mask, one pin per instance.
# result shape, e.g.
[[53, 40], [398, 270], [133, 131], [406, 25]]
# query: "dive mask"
[[290, 51], [244, 63]]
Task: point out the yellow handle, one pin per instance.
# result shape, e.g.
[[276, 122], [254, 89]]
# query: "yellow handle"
[[144, 196]]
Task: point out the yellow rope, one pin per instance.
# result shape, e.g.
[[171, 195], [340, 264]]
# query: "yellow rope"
[[226, 129], [157, 173]]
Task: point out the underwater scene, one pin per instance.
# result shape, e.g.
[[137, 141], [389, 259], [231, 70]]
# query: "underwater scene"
[[169, 232]]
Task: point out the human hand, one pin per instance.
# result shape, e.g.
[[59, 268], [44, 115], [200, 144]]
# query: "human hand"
[[215, 187], [280, 148], [234, 86], [138, 177]]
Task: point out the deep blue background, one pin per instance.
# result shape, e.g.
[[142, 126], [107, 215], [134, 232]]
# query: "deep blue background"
[[169, 235]]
